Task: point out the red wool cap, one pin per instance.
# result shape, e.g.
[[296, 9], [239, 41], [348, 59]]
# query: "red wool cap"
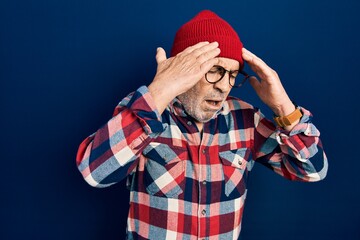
[[207, 26]]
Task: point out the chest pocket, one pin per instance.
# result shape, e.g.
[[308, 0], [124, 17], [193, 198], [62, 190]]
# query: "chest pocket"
[[164, 173], [235, 163]]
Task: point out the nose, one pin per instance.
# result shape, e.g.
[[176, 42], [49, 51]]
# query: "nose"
[[224, 84]]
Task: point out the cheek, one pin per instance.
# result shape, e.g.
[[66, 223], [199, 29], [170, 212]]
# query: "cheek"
[[203, 88], [198, 91]]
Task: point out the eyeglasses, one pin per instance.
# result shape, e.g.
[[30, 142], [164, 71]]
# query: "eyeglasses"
[[216, 73]]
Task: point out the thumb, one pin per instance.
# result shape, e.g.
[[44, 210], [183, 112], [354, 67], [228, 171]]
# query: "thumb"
[[160, 55], [255, 83]]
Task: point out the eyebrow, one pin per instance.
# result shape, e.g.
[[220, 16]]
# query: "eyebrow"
[[221, 64], [217, 65]]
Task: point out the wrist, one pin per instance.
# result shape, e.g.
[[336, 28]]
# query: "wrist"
[[289, 120], [284, 109], [160, 96]]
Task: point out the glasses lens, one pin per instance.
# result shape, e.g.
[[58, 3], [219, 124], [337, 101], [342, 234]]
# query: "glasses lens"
[[234, 78], [215, 74]]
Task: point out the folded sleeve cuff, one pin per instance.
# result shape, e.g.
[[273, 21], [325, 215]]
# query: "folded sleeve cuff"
[[302, 139], [142, 105], [304, 126]]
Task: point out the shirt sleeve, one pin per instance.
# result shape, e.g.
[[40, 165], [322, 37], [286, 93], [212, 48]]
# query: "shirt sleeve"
[[295, 155], [112, 152]]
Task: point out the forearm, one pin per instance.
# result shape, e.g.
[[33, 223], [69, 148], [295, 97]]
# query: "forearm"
[[161, 96], [111, 153], [297, 154], [284, 109], [269, 87]]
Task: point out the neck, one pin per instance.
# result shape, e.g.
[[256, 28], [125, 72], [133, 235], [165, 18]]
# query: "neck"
[[200, 126]]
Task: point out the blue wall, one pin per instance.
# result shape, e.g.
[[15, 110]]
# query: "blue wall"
[[64, 65]]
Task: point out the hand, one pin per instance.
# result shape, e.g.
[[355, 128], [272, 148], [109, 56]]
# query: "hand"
[[178, 74], [268, 88], [185, 69]]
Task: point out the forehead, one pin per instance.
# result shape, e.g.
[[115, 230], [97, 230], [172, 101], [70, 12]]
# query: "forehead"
[[228, 63]]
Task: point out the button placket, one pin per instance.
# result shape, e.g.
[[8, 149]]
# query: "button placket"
[[203, 212]]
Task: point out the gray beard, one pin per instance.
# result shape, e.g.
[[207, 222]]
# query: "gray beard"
[[192, 106]]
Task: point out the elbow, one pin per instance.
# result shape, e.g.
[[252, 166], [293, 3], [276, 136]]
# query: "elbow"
[[91, 177], [93, 183]]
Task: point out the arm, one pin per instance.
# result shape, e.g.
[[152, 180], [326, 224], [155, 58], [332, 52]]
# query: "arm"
[[296, 155], [269, 87], [295, 152], [112, 152]]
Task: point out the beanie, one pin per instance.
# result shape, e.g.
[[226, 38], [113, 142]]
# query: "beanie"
[[207, 26]]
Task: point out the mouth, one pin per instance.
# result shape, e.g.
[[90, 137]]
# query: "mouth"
[[213, 104]]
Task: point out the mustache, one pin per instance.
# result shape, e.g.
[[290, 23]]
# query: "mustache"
[[216, 94]]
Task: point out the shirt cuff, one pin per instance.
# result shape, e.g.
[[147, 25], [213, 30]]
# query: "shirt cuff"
[[304, 126]]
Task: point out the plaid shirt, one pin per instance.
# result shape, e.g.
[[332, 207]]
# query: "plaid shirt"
[[190, 185]]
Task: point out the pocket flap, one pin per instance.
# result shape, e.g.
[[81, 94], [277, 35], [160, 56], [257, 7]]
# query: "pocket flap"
[[163, 153], [236, 158]]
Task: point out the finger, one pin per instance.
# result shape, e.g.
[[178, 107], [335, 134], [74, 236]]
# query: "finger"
[[255, 83], [208, 55], [256, 64], [204, 49], [193, 47], [207, 65], [160, 55]]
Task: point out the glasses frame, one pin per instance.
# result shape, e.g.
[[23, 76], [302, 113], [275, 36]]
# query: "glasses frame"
[[246, 76]]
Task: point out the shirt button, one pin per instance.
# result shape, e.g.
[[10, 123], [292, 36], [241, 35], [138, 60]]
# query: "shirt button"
[[203, 212], [240, 162], [189, 123], [204, 182], [203, 151]]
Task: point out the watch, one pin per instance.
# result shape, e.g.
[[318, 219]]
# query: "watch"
[[288, 119]]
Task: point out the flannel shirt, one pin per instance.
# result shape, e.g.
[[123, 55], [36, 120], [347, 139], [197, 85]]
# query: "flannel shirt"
[[190, 185]]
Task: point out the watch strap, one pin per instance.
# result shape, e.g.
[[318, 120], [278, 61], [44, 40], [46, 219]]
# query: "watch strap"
[[288, 119]]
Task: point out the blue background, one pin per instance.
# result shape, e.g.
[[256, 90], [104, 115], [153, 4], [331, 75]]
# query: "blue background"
[[66, 64]]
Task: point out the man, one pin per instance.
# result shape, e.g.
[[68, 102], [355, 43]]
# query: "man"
[[187, 147]]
